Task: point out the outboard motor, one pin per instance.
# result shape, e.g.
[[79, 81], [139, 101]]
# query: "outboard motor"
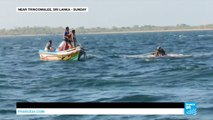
[[82, 55]]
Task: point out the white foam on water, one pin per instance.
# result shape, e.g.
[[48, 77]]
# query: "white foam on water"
[[204, 54], [182, 36], [205, 35], [38, 38], [91, 56]]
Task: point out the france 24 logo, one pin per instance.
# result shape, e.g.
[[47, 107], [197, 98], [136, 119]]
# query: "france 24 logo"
[[190, 108]]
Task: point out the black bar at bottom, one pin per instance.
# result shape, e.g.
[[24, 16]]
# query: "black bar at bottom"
[[100, 105]]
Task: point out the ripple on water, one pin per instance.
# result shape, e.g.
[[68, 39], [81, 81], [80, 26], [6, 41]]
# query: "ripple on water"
[[107, 74]]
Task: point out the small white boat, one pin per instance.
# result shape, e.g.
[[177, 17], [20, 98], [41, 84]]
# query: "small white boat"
[[153, 56]]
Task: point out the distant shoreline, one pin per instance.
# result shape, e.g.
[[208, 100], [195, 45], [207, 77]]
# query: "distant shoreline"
[[115, 32], [150, 31]]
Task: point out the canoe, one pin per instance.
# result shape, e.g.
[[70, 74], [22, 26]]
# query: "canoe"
[[70, 54], [153, 56]]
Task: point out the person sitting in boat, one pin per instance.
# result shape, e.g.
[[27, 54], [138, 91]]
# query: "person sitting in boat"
[[48, 46], [62, 46], [159, 52]]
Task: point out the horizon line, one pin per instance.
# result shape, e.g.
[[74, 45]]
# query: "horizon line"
[[109, 27]]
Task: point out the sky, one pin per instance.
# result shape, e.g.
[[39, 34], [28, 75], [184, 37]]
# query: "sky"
[[108, 13]]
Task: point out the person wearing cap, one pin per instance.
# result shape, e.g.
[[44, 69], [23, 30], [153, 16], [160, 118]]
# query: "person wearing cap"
[[159, 52], [48, 46]]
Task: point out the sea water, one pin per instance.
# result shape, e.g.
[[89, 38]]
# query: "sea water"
[[107, 75]]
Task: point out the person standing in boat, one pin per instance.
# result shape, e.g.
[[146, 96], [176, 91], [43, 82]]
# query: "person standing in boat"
[[66, 33], [67, 38], [70, 40], [65, 44], [74, 38], [49, 47]]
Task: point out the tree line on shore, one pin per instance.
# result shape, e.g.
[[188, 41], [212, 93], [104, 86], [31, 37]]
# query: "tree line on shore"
[[58, 30]]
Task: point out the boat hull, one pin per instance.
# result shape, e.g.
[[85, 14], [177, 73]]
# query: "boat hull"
[[71, 54]]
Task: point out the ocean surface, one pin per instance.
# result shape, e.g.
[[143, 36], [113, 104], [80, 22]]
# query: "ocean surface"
[[112, 72]]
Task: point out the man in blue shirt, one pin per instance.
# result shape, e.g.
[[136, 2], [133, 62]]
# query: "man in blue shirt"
[[66, 33], [68, 38]]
